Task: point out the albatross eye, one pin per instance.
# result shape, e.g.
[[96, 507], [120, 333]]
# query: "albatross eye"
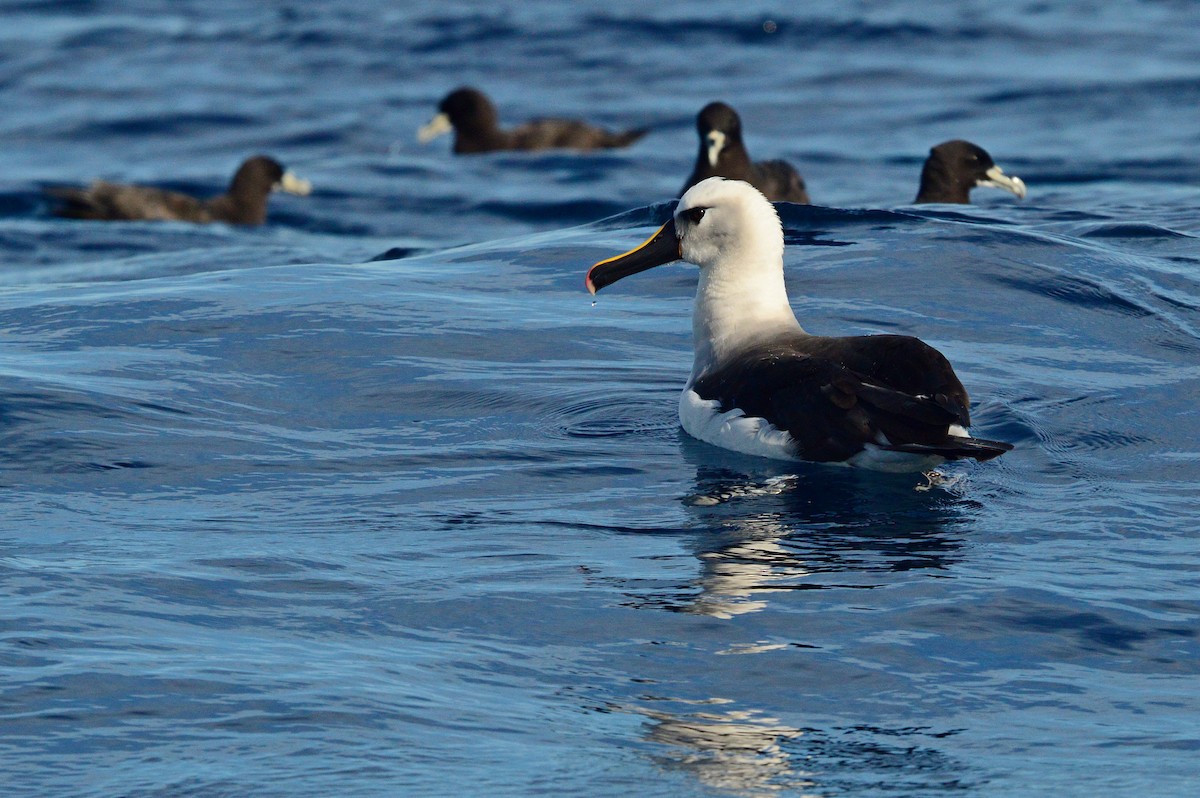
[[694, 215]]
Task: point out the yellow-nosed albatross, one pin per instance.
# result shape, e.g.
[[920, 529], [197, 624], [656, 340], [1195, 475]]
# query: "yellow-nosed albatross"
[[244, 203], [470, 114], [722, 154], [955, 167], [761, 385]]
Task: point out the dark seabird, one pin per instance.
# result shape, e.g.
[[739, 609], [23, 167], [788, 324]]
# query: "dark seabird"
[[244, 203], [761, 385], [722, 154], [955, 167], [470, 114]]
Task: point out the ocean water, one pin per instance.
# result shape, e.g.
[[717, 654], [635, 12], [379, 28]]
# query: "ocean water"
[[375, 501]]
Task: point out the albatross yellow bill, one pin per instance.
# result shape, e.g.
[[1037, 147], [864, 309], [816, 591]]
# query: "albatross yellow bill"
[[660, 248]]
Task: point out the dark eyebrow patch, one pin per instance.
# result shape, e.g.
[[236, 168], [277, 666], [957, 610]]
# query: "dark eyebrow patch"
[[694, 215]]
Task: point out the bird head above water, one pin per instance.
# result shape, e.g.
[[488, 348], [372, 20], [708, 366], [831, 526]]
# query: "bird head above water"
[[464, 109], [263, 174], [730, 230], [955, 167], [726, 227], [720, 130]]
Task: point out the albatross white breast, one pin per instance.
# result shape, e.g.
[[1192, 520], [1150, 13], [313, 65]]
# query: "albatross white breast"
[[761, 385]]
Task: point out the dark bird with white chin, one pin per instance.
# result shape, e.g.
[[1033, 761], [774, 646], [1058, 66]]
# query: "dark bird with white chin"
[[955, 167], [761, 385], [723, 154]]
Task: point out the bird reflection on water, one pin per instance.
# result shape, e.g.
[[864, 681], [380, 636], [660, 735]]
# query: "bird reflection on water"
[[735, 750], [818, 528], [760, 536], [745, 752]]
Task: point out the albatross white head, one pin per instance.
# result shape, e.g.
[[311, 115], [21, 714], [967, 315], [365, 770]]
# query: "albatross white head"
[[730, 230]]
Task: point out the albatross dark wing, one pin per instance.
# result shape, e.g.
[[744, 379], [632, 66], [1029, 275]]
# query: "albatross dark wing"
[[835, 395]]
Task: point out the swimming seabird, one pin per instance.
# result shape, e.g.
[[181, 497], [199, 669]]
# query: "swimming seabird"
[[722, 154], [955, 167], [244, 203], [761, 385], [470, 114]]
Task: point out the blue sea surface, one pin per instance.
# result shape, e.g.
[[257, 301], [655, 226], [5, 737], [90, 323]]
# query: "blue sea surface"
[[374, 500]]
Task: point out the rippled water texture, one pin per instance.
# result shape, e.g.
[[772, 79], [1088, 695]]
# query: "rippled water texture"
[[374, 500]]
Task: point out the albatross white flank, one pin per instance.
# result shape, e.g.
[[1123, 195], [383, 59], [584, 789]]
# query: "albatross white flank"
[[763, 386]]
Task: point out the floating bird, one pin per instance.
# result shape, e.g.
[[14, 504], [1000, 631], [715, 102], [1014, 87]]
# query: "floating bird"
[[955, 167], [470, 114], [722, 154], [761, 385], [244, 203]]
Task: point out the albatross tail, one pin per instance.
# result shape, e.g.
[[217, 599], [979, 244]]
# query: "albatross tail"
[[955, 448]]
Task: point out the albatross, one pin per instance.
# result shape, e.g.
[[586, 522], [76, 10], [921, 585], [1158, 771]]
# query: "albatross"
[[762, 385]]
